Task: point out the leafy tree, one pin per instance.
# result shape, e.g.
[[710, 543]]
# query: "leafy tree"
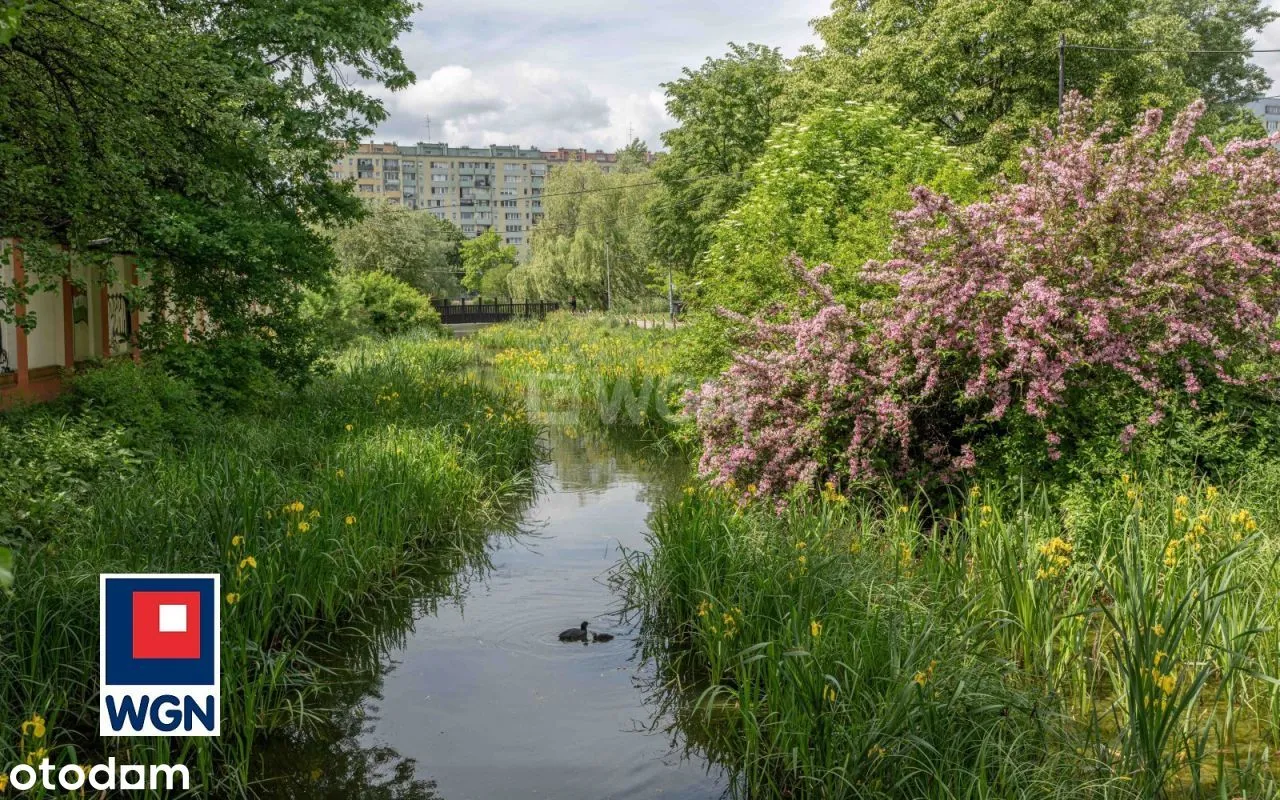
[[633, 157], [726, 109], [985, 72], [412, 246], [487, 262], [198, 134], [595, 241], [10, 18], [827, 189], [1124, 293]]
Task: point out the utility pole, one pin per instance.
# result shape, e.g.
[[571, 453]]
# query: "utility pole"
[[671, 297], [608, 279], [1062, 70]]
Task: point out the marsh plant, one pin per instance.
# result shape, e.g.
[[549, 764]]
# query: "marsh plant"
[[311, 511], [850, 648], [589, 369]]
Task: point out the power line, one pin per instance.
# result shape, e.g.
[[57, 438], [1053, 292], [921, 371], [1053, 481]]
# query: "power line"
[[1169, 51], [1064, 46]]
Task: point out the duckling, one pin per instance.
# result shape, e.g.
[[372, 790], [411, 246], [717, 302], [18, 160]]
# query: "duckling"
[[578, 634], [601, 637]]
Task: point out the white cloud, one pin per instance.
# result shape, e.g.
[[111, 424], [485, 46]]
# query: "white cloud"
[[517, 103], [569, 73]]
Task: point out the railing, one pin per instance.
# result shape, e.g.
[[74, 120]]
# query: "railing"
[[454, 312]]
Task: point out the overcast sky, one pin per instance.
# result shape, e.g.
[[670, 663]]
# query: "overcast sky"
[[578, 73]]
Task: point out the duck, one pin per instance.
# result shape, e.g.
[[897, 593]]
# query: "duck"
[[601, 637], [578, 634]]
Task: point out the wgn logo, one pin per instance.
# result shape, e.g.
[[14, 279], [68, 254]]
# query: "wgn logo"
[[160, 640]]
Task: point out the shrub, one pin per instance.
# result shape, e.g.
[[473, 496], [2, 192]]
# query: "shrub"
[[149, 403], [230, 371], [826, 188], [367, 303], [1104, 294], [51, 464]]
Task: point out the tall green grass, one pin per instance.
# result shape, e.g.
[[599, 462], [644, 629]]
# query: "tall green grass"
[[594, 370], [311, 512], [1119, 645]]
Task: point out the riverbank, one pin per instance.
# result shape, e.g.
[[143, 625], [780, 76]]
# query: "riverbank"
[[1111, 638], [310, 506]]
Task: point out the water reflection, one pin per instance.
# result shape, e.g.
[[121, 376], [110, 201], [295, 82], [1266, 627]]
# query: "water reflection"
[[464, 690]]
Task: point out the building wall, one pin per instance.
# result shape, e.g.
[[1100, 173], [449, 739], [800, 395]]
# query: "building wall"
[[35, 363], [476, 188], [1268, 110]]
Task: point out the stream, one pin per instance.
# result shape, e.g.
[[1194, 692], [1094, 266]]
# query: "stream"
[[474, 697]]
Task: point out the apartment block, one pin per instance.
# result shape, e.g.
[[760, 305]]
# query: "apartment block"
[[476, 188], [1268, 110], [566, 155]]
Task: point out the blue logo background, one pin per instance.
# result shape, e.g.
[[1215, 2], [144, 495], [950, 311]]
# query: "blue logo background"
[[123, 669]]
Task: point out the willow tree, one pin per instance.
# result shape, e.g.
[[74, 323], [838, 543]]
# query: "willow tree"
[[595, 242]]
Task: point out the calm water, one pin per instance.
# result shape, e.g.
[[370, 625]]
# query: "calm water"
[[474, 696]]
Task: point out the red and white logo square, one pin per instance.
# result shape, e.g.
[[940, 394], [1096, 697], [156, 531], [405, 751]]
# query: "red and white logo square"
[[166, 624]]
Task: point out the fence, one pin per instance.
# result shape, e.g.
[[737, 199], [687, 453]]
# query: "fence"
[[454, 312]]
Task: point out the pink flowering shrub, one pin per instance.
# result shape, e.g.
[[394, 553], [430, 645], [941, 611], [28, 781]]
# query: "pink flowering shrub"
[[1135, 277]]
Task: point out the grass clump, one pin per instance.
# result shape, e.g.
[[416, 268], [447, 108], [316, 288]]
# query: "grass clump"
[[868, 647], [591, 369]]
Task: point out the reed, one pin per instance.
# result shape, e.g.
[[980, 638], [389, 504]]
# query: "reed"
[[311, 512]]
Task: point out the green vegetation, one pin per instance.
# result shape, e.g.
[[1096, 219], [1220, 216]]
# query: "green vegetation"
[[367, 304], [594, 242], [1116, 645], [310, 507], [984, 73], [826, 189], [198, 135], [413, 247], [487, 262], [593, 370]]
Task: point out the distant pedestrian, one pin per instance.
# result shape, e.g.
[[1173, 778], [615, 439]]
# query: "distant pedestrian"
[[573, 304]]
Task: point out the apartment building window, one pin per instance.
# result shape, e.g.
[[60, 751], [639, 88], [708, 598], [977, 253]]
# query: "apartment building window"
[[508, 203], [514, 228], [513, 215], [509, 168], [1273, 109], [514, 240], [439, 164], [435, 178], [1273, 125], [514, 178], [507, 192], [439, 190], [468, 228], [366, 188]]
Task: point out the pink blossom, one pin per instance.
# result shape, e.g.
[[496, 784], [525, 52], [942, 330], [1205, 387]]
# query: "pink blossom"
[[1142, 261]]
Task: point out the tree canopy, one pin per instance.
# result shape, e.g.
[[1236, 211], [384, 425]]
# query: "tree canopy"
[[726, 109], [595, 239], [984, 73], [196, 133], [487, 262], [412, 246]]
